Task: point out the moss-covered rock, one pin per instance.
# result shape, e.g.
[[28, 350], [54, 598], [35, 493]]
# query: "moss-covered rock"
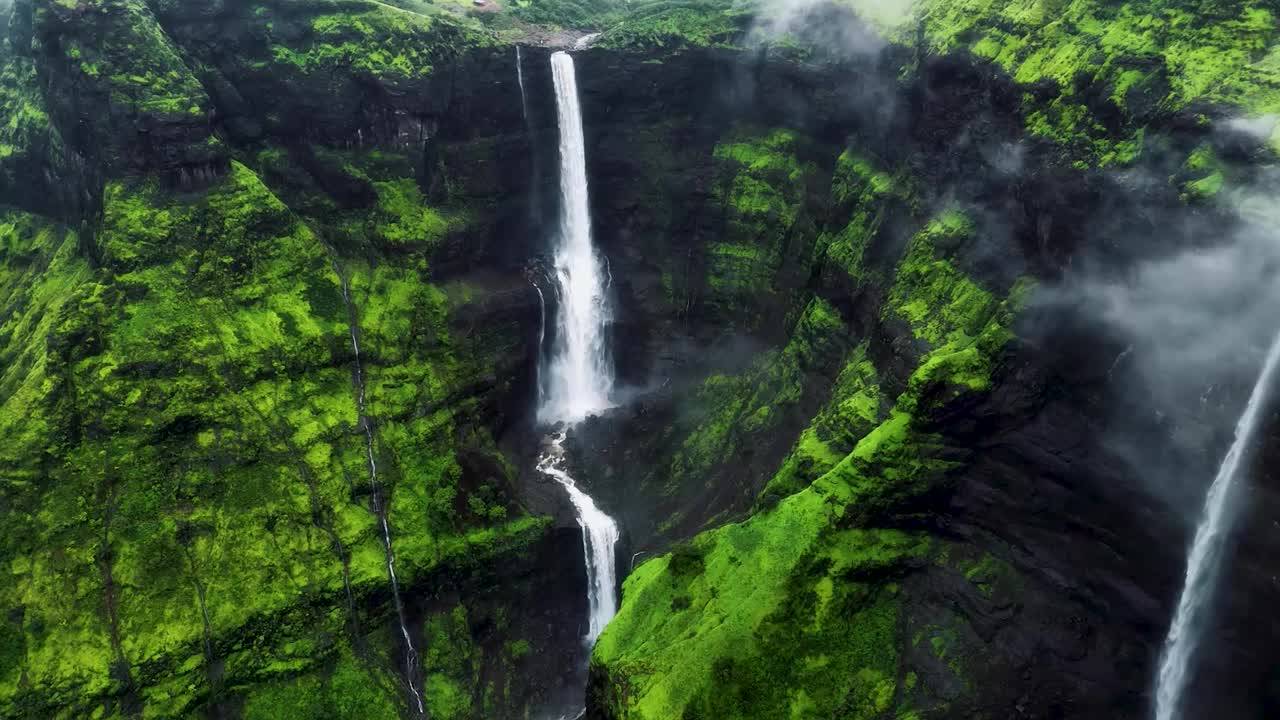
[[794, 612], [184, 460]]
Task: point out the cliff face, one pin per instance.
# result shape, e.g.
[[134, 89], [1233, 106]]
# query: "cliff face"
[[929, 481], [898, 447], [188, 497], [863, 470]]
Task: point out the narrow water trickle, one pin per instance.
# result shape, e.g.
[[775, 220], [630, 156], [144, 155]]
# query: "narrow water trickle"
[[578, 381], [524, 99], [1206, 550], [379, 510], [542, 338]]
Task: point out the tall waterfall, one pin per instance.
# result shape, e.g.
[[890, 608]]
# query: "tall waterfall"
[[379, 510], [579, 379], [1206, 550]]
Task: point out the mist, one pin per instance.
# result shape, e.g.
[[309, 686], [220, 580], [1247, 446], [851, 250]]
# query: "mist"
[[1260, 128], [841, 30], [810, 21], [1194, 326]]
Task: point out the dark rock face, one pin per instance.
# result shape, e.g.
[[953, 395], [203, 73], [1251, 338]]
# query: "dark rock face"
[[1082, 637], [1099, 556], [1235, 670]]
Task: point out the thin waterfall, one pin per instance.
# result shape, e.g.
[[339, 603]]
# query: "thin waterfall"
[[579, 380], [1206, 550], [542, 338], [410, 653], [535, 204], [524, 99]]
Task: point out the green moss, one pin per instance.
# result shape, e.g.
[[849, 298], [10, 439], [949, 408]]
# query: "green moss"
[[344, 690], [404, 215], [186, 411], [674, 25], [1148, 55], [25, 128], [1203, 174], [794, 612], [755, 625], [737, 410], [854, 409], [930, 294], [861, 195], [762, 188], [377, 40], [125, 54]]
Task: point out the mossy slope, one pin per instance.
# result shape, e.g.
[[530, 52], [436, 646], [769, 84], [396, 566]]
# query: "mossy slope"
[[183, 449], [796, 611]]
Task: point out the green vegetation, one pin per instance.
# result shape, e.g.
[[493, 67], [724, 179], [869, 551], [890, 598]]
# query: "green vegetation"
[[788, 613], [346, 690], [863, 194], [938, 302], [753, 632], [740, 409], [853, 411], [126, 47], [181, 445], [376, 40], [673, 24], [963, 324], [1150, 56], [26, 123], [763, 189], [184, 475], [1206, 175]]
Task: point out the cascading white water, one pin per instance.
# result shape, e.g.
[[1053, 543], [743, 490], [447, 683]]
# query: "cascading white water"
[[1206, 550], [542, 338], [410, 653], [580, 378], [599, 537]]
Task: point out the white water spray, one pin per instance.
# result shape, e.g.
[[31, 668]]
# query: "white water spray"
[[410, 654], [580, 378], [599, 537], [1206, 550]]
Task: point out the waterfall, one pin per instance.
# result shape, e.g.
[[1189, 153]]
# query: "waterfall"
[[542, 337], [580, 377], [599, 537], [524, 99], [1206, 550], [410, 654]]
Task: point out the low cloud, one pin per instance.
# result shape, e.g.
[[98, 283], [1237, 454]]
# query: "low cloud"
[[1259, 128], [842, 29], [1193, 327]]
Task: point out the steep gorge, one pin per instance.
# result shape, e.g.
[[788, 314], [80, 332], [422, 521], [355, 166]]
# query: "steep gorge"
[[863, 468]]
